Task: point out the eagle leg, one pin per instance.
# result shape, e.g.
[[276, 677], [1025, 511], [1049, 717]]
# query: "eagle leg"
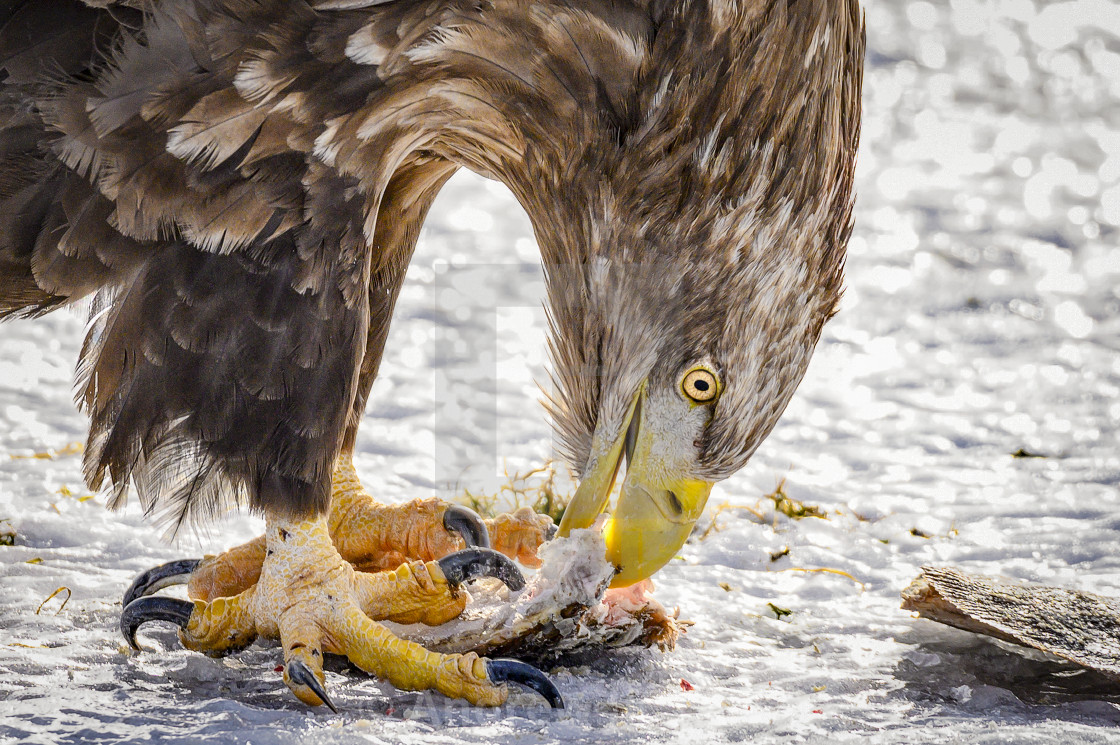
[[376, 537], [314, 602]]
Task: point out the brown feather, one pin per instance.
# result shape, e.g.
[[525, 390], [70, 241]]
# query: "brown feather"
[[242, 182]]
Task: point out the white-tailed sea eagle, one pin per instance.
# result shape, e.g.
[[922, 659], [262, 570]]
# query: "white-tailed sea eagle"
[[239, 184]]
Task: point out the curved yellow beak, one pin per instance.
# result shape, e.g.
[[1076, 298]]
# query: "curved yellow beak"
[[656, 509]]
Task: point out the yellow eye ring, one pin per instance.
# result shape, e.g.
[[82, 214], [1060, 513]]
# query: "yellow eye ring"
[[700, 385]]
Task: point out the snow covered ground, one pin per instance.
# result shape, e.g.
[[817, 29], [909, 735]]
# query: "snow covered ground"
[[982, 318]]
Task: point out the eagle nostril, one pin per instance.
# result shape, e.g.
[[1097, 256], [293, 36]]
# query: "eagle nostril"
[[675, 502]]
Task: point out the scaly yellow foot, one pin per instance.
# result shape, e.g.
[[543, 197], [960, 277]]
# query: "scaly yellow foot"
[[375, 537], [314, 602]]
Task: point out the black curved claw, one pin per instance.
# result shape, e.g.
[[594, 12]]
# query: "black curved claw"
[[156, 578], [467, 523], [515, 671], [142, 610], [300, 674], [470, 563]]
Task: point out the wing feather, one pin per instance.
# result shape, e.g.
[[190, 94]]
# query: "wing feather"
[[213, 172]]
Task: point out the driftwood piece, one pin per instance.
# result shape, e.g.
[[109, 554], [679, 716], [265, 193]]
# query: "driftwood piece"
[[1078, 626]]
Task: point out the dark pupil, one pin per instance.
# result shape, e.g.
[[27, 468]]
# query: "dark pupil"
[[701, 385]]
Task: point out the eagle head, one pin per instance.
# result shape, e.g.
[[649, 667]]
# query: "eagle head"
[[692, 257]]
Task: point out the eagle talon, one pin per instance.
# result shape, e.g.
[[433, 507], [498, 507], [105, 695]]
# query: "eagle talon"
[[299, 674], [142, 610], [468, 524], [515, 671], [157, 578], [471, 563]]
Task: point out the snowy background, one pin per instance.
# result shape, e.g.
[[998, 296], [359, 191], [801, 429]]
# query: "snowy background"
[[982, 318]]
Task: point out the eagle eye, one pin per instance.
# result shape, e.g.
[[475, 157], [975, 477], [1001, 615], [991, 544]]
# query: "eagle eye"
[[700, 385]]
